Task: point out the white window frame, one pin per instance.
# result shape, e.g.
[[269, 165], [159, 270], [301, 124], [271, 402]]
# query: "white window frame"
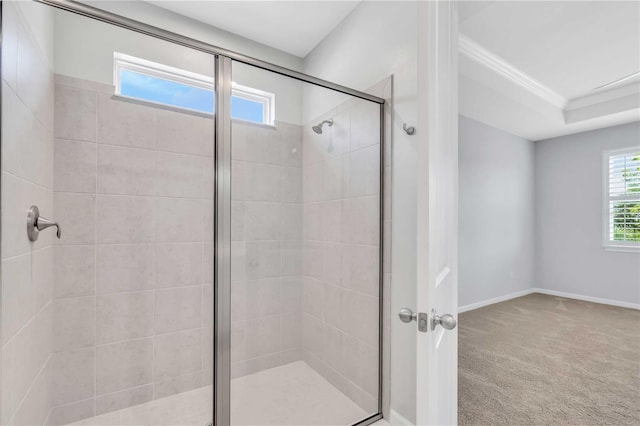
[[607, 242], [153, 69]]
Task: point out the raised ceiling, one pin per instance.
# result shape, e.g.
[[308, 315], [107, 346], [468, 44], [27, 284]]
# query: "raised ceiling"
[[537, 69], [295, 27]]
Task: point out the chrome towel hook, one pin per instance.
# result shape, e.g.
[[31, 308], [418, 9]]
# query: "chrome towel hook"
[[410, 130], [36, 223]]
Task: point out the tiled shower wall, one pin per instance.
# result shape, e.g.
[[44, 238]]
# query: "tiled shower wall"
[[27, 169], [341, 190], [266, 220], [132, 310]]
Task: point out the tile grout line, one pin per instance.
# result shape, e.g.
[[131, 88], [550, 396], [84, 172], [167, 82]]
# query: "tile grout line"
[[95, 263]]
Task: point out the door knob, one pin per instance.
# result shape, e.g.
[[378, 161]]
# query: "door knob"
[[407, 315], [448, 322]]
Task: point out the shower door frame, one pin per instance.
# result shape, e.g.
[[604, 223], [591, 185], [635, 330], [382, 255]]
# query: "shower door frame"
[[222, 188]]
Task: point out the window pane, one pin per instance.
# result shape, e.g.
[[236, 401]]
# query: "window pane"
[[625, 220], [154, 89], [245, 109], [624, 174]]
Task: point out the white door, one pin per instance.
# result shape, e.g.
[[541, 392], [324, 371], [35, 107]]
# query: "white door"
[[437, 235]]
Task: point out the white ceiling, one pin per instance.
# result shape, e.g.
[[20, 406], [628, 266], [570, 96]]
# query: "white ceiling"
[[295, 27], [530, 67]]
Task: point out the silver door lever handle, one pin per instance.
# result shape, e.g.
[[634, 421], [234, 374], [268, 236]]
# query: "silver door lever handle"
[[37, 223]]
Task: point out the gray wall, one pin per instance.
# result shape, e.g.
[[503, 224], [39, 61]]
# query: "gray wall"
[[569, 253], [496, 216]]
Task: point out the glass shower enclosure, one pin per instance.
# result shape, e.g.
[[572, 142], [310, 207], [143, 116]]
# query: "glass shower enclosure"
[[220, 252]]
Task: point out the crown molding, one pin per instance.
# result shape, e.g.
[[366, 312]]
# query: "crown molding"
[[473, 50], [604, 95]]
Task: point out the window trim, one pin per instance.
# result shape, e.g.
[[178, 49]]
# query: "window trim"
[[607, 243], [122, 62]]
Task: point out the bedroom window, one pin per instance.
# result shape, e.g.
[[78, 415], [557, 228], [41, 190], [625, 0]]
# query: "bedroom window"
[[621, 209], [159, 84]]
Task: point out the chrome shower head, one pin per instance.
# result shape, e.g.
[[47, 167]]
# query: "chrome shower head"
[[318, 128]]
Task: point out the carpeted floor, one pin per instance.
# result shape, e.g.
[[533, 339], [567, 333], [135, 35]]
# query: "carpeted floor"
[[546, 360]]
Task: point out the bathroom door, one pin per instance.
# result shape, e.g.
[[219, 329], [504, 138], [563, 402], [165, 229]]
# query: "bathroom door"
[[437, 285]]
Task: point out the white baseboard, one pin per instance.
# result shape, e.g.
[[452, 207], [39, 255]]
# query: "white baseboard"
[[510, 296], [398, 420], [482, 303], [587, 298]]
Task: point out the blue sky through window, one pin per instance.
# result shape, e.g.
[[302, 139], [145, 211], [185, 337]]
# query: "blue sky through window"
[[155, 89], [245, 109], [168, 92]]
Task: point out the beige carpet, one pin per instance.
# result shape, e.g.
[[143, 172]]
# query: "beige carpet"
[[548, 360]]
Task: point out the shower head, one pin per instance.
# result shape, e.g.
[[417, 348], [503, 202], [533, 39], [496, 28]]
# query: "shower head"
[[318, 128]]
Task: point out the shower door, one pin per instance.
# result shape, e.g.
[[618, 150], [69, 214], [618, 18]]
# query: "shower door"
[[305, 237], [110, 133]]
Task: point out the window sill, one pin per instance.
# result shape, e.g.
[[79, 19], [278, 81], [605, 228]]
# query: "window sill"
[[626, 249], [186, 110], [253, 123], [161, 106]]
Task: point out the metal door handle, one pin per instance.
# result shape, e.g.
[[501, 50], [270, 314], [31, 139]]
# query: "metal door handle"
[[407, 315], [448, 322], [37, 223]]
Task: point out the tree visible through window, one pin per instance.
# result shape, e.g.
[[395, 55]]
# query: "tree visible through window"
[[623, 190]]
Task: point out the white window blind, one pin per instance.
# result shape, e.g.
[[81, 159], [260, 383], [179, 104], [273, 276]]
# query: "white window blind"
[[622, 199]]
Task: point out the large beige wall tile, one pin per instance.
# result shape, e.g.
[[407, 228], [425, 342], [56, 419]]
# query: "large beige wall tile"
[[177, 354], [178, 264], [262, 336], [74, 323], [75, 167], [76, 214], [184, 133], [175, 220], [124, 123], [18, 295], [124, 365], [179, 175], [178, 309], [263, 298], [10, 44], [73, 375], [127, 267], [75, 113], [125, 219], [125, 171], [124, 316], [74, 271]]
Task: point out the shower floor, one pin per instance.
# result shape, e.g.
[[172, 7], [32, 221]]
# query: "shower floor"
[[293, 394]]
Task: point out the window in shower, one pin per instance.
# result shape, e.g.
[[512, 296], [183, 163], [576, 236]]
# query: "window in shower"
[[161, 84]]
